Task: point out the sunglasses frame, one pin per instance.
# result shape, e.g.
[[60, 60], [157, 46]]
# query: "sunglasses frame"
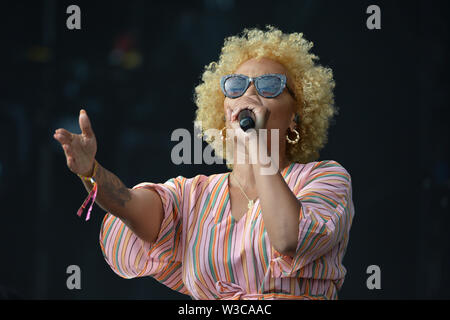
[[249, 80]]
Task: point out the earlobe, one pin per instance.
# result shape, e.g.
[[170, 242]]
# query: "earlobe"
[[295, 122]]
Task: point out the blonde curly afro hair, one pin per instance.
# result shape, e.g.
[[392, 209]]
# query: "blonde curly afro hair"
[[313, 88]]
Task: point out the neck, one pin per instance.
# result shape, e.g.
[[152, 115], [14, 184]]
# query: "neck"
[[245, 173]]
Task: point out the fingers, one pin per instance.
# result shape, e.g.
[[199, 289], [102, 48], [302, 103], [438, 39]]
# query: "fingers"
[[85, 124], [67, 151], [236, 111], [70, 161], [235, 126], [238, 108], [229, 114], [260, 114], [69, 155], [63, 136]]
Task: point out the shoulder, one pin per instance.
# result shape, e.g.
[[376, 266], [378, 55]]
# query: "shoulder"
[[326, 174], [323, 166], [209, 183], [201, 179], [200, 183], [185, 182]]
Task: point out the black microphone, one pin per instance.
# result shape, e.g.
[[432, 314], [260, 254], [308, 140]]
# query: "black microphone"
[[246, 119]]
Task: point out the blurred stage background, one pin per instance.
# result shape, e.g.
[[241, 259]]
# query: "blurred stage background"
[[134, 65]]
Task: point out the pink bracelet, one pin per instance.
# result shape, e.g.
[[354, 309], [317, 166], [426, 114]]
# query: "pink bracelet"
[[92, 195]]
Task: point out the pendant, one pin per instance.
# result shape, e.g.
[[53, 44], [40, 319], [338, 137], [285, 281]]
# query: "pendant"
[[250, 204]]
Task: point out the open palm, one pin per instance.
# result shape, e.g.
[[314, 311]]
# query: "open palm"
[[80, 149]]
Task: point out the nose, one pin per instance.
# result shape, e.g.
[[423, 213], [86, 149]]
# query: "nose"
[[251, 90]]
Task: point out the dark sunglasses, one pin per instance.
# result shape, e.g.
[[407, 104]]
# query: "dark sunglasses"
[[268, 85]]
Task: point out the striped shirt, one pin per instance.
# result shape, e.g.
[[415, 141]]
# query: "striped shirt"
[[202, 251]]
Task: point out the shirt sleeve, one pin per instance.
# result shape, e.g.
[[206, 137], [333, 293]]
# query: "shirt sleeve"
[[325, 218], [130, 257]]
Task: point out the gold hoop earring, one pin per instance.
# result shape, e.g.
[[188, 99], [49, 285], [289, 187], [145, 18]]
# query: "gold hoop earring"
[[297, 138]]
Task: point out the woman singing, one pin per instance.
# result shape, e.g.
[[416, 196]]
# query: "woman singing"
[[243, 234]]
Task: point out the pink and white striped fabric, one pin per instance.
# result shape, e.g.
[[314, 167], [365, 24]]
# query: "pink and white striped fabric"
[[204, 252]]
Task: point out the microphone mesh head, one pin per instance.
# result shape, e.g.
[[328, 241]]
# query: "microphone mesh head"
[[246, 119]]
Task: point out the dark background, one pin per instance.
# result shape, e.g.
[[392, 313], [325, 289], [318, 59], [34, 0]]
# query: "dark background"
[[134, 65]]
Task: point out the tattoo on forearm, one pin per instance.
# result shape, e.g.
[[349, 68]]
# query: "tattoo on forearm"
[[112, 187]]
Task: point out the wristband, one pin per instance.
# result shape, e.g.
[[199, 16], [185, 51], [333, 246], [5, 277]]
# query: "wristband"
[[92, 195]]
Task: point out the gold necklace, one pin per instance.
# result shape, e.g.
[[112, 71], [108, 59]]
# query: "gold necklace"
[[250, 202]]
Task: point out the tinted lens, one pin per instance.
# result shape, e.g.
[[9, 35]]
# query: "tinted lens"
[[269, 86], [235, 86]]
